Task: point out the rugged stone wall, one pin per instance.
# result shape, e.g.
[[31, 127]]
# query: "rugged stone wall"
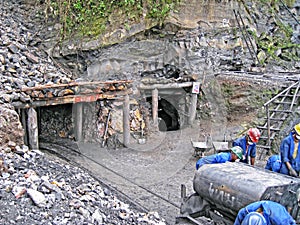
[[229, 105], [201, 38], [11, 130]]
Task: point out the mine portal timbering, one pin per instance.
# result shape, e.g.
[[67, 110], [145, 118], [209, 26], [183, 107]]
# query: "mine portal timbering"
[[98, 114]]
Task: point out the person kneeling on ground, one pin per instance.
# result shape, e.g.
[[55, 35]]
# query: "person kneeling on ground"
[[264, 213], [234, 154], [289, 151], [274, 163], [248, 144]]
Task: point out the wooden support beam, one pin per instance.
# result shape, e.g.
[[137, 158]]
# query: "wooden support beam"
[[32, 125], [126, 121], [71, 99], [24, 125], [78, 114], [155, 108], [72, 84], [165, 86], [192, 109]]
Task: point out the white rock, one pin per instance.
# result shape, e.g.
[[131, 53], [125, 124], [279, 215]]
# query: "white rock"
[[37, 197]]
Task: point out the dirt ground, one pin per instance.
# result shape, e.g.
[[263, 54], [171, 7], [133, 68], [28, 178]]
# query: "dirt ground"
[[159, 166]]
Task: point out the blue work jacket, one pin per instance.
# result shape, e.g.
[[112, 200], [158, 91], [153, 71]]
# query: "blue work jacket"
[[273, 212], [243, 144], [215, 158], [274, 163], [286, 151]]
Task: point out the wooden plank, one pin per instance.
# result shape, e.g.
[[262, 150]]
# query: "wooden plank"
[[165, 86], [71, 99], [41, 87]]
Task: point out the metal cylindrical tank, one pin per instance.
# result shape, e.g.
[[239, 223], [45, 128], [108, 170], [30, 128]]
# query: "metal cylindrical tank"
[[231, 186]]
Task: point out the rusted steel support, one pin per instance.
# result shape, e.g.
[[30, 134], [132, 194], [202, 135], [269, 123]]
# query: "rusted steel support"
[[192, 109], [78, 110], [32, 125], [155, 108], [126, 121]]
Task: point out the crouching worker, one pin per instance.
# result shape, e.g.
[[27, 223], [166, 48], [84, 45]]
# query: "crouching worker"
[[290, 156], [274, 163], [231, 156], [264, 213]]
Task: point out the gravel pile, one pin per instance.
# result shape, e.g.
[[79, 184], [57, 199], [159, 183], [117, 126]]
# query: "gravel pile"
[[22, 63], [37, 190]]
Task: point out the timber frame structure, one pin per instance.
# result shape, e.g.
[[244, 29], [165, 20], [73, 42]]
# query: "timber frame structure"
[[78, 93]]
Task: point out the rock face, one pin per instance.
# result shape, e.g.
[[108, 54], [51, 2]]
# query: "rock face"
[[11, 130], [201, 37]]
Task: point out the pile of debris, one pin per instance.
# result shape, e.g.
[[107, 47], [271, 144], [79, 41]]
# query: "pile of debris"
[[33, 188], [22, 63], [37, 190]]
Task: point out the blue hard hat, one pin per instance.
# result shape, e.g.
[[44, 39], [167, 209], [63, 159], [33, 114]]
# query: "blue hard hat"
[[254, 218]]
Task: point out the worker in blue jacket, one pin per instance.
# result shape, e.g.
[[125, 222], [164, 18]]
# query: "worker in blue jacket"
[[248, 144], [289, 149], [272, 213], [231, 156], [274, 163]]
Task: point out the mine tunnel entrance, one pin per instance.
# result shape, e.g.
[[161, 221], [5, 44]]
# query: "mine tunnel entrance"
[[168, 116], [88, 119], [56, 121]]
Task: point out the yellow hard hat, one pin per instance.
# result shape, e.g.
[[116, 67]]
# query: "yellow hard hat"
[[297, 128]]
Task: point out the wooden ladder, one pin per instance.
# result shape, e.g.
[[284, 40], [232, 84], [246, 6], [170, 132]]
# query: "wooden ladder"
[[278, 110]]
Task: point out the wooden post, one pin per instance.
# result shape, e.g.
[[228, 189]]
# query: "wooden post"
[[126, 122], [155, 108], [192, 110], [33, 133], [182, 111], [145, 113], [78, 120], [24, 125]]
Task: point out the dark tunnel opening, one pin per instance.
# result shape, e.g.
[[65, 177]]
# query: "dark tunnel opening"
[[55, 121], [167, 115]]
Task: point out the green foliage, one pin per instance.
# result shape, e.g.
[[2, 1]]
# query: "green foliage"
[[270, 45], [92, 17]]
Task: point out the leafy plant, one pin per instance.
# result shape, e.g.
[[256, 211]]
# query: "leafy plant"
[[92, 16]]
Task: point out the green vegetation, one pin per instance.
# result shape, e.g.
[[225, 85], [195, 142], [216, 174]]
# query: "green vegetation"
[[93, 17], [277, 45]]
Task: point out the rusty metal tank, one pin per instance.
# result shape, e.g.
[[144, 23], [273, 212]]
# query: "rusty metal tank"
[[221, 190]]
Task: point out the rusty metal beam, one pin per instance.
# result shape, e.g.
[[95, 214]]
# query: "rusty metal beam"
[[72, 99]]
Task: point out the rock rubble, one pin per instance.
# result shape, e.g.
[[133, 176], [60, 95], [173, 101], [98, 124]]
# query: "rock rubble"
[[22, 63], [35, 189]]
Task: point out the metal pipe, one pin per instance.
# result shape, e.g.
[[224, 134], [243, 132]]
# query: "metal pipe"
[[237, 20]]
